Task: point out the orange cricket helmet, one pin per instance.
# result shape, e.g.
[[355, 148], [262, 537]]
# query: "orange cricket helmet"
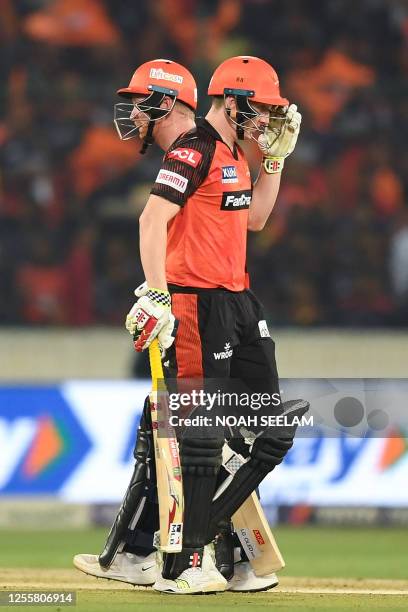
[[248, 79], [163, 74], [250, 76], [153, 80]]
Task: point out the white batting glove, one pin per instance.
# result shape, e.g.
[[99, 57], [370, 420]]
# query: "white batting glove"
[[279, 139], [151, 316]]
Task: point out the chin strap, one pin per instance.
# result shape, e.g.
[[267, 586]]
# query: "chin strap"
[[237, 119], [147, 138], [242, 104]]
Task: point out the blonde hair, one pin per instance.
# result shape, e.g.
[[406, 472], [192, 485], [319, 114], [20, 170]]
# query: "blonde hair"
[[184, 110], [218, 102]]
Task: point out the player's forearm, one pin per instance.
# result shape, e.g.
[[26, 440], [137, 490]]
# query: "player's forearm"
[[264, 196], [153, 244]]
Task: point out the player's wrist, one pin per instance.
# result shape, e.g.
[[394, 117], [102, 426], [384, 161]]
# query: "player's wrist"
[[273, 165]]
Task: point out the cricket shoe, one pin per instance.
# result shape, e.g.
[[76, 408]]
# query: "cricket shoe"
[[195, 580], [244, 579], [126, 567]]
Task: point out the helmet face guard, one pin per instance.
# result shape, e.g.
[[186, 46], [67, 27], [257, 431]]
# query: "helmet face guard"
[[246, 114], [152, 81], [150, 107]]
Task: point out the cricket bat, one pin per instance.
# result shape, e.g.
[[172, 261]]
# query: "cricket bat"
[[167, 459], [251, 526]]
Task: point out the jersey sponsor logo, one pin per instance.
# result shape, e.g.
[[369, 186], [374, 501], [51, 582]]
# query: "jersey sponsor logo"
[[188, 156], [236, 200], [263, 329], [172, 179], [158, 73], [226, 353], [229, 174]]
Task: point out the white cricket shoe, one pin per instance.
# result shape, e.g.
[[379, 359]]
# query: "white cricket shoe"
[[245, 580], [205, 579], [126, 567]]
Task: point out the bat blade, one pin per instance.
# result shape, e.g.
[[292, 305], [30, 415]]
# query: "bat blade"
[[252, 527], [167, 459], [256, 537]]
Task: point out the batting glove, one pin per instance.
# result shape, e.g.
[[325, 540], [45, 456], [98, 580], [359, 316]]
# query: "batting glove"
[[279, 139], [151, 316]]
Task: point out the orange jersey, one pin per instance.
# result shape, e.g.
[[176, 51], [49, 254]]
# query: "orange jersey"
[[207, 239]]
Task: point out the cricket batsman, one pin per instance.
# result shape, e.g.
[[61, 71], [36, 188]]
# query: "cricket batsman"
[[193, 234]]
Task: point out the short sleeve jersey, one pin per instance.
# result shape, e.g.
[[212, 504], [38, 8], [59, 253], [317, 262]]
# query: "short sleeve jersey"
[[206, 245]]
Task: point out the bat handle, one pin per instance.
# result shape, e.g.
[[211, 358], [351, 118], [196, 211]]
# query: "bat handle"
[[156, 367]]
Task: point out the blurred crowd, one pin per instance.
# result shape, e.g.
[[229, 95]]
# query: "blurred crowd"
[[335, 251]]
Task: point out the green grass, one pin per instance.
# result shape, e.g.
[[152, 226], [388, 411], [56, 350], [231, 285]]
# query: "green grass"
[[128, 601], [153, 602], [308, 551], [351, 552], [47, 548]]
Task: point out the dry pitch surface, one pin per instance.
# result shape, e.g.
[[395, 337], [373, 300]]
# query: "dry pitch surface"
[[304, 594]]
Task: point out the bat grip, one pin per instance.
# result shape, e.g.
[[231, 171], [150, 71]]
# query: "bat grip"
[[156, 367]]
